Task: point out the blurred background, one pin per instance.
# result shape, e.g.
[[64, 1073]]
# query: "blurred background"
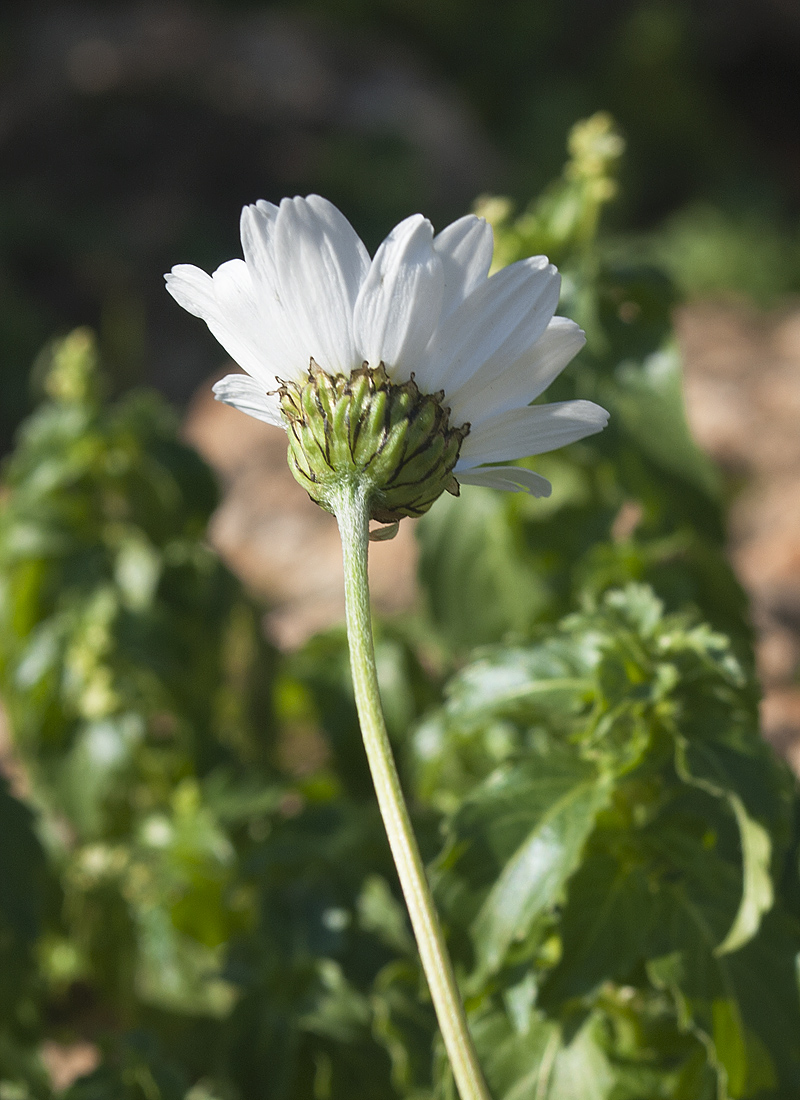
[[184, 736], [133, 133]]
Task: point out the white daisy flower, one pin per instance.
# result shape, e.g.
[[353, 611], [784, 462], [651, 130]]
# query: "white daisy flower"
[[424, 310]]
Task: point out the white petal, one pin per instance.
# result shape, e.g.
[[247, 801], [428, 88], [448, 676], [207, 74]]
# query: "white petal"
[[288, 352], [499, 321], [400, 299], [193, 289], [267, 208], [227, 303], [465, 248], [246, 395], [257, 230], [531, 431], [320, 264], [513, 479], [485, 394]]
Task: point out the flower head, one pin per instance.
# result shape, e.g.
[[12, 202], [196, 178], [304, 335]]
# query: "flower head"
[[327, 335]]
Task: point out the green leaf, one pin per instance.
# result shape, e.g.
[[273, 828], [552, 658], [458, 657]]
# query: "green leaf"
[[718, 1023], [757, 892], [604, 929], [479, 581], [511, 682], [340, 1012], [379, 912], [521, 835], [745, 1004], [764, 975], [534, 876], [517, 1064], [729, 1042], [581, 1068], [757, 889], [650, 403], [542, 1061]]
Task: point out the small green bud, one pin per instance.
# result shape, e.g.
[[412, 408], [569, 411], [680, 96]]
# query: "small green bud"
[[394, 439], [71, 374]]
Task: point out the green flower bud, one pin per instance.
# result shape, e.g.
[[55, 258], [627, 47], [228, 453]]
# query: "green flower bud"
[[394, 439]]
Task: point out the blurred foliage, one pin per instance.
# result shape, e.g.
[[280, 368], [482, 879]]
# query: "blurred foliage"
[[639, 500], [135, 677], [709, 250], [195, 876]]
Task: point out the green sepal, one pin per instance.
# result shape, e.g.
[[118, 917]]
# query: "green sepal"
[[364, 428]]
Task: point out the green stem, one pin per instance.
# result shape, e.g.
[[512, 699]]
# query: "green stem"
[[352, 513]]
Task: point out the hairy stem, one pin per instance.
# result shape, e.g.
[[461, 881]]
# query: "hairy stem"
[[352, 513]]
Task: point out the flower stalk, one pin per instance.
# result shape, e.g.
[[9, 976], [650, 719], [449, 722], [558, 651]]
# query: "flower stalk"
[[352, 509]]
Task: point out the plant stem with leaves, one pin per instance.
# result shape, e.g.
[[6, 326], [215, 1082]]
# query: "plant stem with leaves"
[[352, 512]]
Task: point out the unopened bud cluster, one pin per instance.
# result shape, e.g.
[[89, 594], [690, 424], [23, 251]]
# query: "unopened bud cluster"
[[393, 439]]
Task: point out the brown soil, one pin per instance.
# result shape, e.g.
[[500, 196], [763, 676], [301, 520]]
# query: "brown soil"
[[743, 403]]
